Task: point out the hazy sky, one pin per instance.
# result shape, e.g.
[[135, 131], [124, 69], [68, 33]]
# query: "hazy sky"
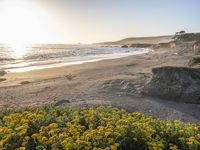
[[88, 21]]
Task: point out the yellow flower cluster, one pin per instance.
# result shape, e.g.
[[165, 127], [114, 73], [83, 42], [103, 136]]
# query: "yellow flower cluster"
[[97, 128]]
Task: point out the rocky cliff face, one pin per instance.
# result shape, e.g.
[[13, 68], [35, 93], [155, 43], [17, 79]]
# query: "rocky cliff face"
[[174, 83], [196, 47], [167, 45]]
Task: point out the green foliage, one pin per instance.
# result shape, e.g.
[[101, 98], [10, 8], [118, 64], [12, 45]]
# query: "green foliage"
[[57, 128], [194, 60]]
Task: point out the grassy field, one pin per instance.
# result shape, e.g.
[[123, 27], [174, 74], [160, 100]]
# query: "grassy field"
[[57, 128]]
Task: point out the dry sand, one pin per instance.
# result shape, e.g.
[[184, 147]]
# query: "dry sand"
[[109, 82]]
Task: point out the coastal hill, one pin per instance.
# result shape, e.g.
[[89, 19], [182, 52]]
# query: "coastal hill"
[[140, 40]]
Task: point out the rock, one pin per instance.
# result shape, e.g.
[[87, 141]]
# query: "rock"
[[70, 76], [132, 64], [196, 48], [2, 79], [61, 102], [174, 83], [141, 45], [124, 46], [2, 73], [25, 82]]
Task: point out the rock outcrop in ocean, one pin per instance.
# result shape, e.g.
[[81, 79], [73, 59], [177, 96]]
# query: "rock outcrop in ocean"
[[124, 46], [141, 45]]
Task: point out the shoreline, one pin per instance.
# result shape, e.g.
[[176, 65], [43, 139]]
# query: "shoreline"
[[54, 71], [63, 64], [65, 57]]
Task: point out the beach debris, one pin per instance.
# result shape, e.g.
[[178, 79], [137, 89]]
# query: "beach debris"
[[61, 102]]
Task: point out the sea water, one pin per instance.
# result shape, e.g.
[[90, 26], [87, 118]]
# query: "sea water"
[[33, 57]]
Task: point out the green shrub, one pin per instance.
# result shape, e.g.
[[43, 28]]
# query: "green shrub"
[[194, 60]]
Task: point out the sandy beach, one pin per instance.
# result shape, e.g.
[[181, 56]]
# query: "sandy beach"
[[115, 81]]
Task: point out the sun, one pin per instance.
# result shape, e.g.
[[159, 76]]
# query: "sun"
[[22, 22], [17, 20], [27, 22]]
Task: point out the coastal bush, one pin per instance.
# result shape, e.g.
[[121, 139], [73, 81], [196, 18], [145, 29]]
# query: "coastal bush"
[[194, 60], [57, 128]]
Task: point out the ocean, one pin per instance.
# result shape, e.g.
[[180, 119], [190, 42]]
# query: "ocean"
[[33, 57]]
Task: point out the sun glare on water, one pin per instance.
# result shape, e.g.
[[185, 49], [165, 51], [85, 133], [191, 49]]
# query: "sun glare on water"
[[18, 49]]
